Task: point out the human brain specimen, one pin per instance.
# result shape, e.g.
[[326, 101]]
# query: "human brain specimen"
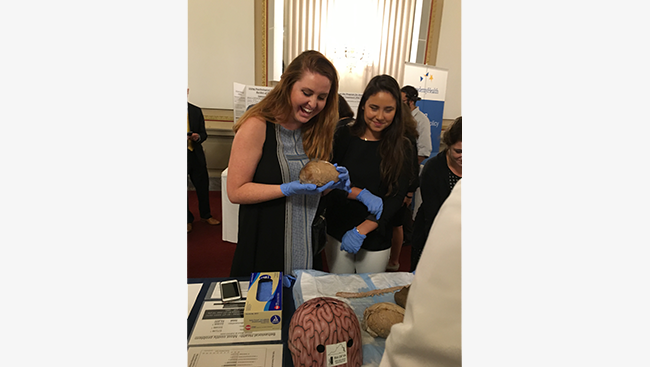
[[318, 172], [322, 322], [380, 317]]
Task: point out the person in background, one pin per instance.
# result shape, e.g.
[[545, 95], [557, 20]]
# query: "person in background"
[[273, 140], [437, 179], [378, 158], [346, 115], [410, 96], [402, 222], [430, 334], [197, 168]]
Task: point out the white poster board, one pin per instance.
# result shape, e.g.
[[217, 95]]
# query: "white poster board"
[[431, 84]]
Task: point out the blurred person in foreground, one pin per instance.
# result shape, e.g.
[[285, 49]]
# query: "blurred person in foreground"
[[431, 332]]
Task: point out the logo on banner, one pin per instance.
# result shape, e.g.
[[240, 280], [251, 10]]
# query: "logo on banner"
[[421, 86], [430, 77]]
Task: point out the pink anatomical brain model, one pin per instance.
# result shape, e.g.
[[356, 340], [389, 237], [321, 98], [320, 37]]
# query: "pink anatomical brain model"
[[325, 329]]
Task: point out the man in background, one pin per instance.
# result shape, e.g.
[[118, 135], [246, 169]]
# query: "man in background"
[[197, 168], [410, 96]]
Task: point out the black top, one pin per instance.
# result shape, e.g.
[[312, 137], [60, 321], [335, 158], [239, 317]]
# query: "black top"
[[436, 182], [271, 234], [362, 160]]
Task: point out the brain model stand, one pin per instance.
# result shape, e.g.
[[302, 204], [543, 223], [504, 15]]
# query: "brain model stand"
[[325, 332]]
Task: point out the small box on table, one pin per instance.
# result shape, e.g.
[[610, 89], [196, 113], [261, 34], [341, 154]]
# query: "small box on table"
[[263, 309]]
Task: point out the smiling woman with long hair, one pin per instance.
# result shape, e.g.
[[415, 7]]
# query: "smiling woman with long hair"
[[273, 140], [378, 157]]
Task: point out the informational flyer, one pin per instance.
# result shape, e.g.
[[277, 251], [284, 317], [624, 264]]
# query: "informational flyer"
[[353, 100], [245, 96], [223, 323], [265, 355], [192, 292], [238, 100]]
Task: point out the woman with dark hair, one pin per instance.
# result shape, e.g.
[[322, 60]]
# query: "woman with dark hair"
[[439, 176], [379, 159], [273, 140], [346, 115]]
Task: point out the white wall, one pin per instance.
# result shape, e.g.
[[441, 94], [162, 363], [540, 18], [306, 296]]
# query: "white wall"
[[221, 50], [449, 56]]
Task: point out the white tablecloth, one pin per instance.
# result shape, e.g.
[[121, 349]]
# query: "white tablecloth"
[[229, 212]]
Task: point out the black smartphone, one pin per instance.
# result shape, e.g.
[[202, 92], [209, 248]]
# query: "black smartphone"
[[189, 133], [230, 290]]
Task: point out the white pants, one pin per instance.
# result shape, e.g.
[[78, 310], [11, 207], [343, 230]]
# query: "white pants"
[[342, 262]]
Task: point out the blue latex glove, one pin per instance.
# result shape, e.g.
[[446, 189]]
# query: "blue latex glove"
[[297, 188], [352, 241], [288, 280], [344, 179], [374, 204]]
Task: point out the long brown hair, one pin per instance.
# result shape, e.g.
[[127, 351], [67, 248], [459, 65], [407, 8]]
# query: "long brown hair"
[[318, 133], [410, 125], [394, 147]]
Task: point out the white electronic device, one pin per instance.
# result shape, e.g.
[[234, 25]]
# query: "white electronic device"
[[230, 290]]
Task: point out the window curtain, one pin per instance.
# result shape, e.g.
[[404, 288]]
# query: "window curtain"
[[374, 34], [304, 22]]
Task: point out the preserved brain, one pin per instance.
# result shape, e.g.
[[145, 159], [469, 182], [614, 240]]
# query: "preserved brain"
[[318, 172], [380, 317], [320, 322]]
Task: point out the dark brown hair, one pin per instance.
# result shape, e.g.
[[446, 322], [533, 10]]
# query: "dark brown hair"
[[393, 146], [455, 132], [410, 125], [344, 108]]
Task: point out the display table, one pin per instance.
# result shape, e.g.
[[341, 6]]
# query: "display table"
[[310, 284], [229, 212], [204, 296]]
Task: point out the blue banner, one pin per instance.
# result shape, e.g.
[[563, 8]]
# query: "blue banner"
[[433, 111], [431, 84]]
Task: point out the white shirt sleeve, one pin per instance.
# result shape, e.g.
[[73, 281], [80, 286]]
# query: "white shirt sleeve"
[[431, 332], [424, 132]]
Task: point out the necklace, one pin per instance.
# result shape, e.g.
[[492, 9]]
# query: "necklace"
[[371, 139]]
